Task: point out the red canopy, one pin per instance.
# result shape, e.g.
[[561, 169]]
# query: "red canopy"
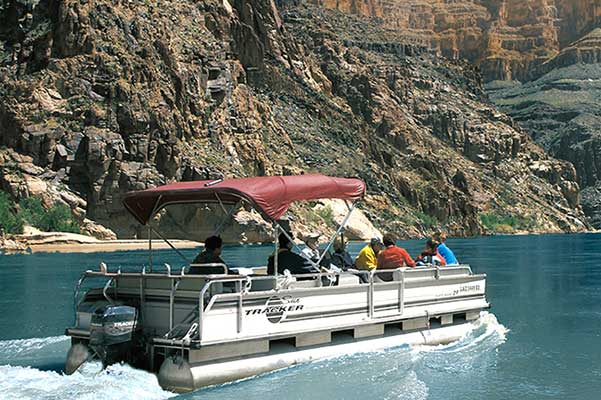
[[270, 195]]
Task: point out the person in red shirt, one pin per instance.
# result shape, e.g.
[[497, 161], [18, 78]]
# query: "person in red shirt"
[[392, 256]]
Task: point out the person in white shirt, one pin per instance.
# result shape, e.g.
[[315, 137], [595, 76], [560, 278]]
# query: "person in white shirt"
[[311, 252]]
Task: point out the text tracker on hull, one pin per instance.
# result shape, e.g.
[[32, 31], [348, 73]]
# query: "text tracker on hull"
[[196, 330]]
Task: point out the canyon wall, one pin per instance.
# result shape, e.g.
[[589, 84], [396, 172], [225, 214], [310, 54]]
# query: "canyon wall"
[[508, 39], [553, 47], [100, 98], [561, 111]]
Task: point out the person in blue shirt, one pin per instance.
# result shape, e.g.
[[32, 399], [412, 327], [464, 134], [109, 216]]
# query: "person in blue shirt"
[[444, 251]]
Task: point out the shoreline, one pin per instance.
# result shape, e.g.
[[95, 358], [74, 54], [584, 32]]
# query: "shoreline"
[[62, 242]]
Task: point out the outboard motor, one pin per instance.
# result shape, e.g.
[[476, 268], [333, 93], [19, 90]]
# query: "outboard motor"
[[112, 331]]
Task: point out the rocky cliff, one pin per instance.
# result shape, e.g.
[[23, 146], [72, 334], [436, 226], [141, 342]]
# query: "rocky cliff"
[[561, 110], [553, 43], [99, 98], [508, 39]]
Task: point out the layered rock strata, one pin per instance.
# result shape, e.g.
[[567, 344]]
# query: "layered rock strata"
[[561, 111], [506, 38], [110, 96]]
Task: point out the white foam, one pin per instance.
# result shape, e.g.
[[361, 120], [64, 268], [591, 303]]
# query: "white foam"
[[18, 351], [485, 329], [116, 382], [24, 345], [410, 387]]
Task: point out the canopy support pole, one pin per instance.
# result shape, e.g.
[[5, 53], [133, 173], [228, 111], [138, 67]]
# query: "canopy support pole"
[[220, 203], [170, 244], [276, 229], [149, 248], [229, 215], [338, 231]]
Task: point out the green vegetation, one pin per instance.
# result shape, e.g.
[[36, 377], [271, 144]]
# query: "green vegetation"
[[504, 223], [316, 216], [428, 221], [9, 220], [57, 218], [30, 211], [325, 213]]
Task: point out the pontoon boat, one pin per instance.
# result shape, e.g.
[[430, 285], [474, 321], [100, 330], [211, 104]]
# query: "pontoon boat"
[[206, 329]]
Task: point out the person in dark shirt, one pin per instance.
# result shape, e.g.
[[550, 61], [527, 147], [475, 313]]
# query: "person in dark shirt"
[[287, 260], [211, 254], [340, 257]]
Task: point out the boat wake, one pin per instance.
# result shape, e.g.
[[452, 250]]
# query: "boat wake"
[[116, 382], [485, 332], [32, 369], [405, 372]]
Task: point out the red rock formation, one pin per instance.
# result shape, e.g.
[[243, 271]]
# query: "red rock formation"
[[507, 38]]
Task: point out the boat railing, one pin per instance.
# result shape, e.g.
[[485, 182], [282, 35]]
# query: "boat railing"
[[243, 285], [398, 277]]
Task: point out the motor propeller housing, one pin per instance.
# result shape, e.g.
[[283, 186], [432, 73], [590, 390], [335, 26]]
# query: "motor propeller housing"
[[112, 331]]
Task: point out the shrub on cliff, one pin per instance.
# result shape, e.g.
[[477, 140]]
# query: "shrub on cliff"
[[31, 211], [10, 221], [57, 218], [504, 223]]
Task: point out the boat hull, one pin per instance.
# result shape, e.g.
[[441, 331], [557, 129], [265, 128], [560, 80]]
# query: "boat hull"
[[179, 375]]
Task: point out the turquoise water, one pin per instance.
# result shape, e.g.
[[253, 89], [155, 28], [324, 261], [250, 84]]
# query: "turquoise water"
[[541, 339]]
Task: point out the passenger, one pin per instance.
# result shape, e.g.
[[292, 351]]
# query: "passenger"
[[311, 252], [392, 256], [287, 260], [444, 251], [341, 258], [211, 254], [430, 255], [367, 259]]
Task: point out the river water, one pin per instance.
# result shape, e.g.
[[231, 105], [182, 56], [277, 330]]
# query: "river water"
[[540, 340]]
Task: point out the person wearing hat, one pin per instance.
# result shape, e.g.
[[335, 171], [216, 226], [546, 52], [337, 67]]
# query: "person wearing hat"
[[311, 252], [367, 259], [287, 260]]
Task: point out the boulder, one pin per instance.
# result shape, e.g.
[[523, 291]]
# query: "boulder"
[[358, 227]]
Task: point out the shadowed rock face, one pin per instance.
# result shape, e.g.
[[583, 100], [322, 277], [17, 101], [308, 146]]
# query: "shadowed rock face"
[[561, 110], [109, 96]]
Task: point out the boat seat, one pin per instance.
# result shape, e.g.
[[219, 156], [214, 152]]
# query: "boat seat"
[[310, 283], [261, 285], [384, 278], [208, 269], [348, 279]]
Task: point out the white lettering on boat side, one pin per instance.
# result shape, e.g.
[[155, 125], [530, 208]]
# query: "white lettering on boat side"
[[276, 308]]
